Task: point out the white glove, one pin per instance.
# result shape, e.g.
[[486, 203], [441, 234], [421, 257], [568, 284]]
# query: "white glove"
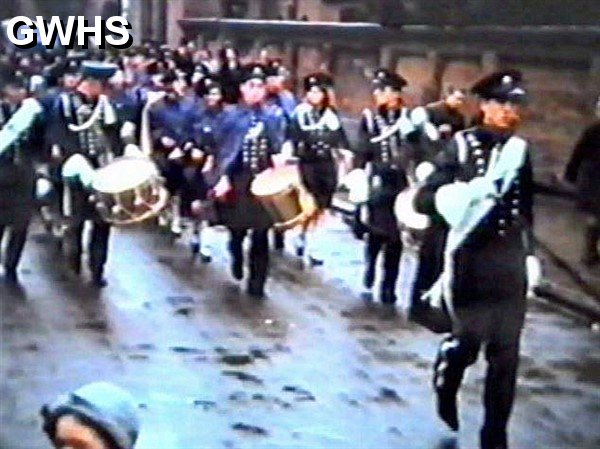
[[56, 151], [222, 187], [287, 150], [167, 142], [431, 132], [357, 182], [419, 116], [533, 267], [43, 187], [175, 154], [78, 167], [197, 154], [423, 171], [127, 130]]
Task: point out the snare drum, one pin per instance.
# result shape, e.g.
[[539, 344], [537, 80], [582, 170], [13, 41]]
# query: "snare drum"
[[281, 193], [129, 190]]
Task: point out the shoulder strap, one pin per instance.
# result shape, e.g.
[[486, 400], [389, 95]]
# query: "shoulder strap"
[[461, 144], [66, 105], [369, 120]]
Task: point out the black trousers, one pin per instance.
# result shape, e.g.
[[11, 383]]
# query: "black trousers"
[[392, 250], [258, 263], [17, 236], [488, 310], [97, 247]]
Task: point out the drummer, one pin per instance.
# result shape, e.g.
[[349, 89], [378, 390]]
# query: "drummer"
[[200, 165], [84, 122], [317, 136], [171, 123], [251, 134], [279, 97], [385, 147]]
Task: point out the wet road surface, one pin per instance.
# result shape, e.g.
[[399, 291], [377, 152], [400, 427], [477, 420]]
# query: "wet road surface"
[[312, 366]]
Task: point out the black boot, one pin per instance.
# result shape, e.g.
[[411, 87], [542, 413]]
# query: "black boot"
[[447, 409], [11, 277], [493, 440], [278, 240], [447, 376], [237, 268], [388, 296], [98, 280], [256, 289]]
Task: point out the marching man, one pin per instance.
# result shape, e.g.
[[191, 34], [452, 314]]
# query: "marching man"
[[483, 189]]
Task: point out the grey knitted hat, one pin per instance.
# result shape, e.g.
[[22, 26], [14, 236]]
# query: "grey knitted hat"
[[111, 409]]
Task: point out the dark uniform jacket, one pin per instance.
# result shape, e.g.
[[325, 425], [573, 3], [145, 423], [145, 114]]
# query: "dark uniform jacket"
[[17, 180], [95, 142], [99, 143], [490, 264], [315, 150], [244, 155], [390, 159], [207, 122], [174, 120], [584, 169]]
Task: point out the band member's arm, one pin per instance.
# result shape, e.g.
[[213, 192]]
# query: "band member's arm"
[[112, 134], [527, 188], [275, 128], [363, 152], [583, 148], [161, 138], [341, 138], [19, 123]]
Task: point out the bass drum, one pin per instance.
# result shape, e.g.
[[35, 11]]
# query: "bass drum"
[[281, 193], [129, 190]]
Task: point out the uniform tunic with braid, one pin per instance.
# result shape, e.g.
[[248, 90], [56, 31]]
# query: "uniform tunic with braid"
[[99, 143], [490, 265], [315, 150], [389, 158], [242, 156]]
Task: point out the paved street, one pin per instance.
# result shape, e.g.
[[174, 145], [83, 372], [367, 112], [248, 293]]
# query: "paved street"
[[312, 366]]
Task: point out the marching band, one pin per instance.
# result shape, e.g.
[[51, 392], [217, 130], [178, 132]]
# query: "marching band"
[[160, 135]]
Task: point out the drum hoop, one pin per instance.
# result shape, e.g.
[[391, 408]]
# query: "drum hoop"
[[154, 210]]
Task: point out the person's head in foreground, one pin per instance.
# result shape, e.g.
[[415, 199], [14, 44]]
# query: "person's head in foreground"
[[98, 415], [501, 100]]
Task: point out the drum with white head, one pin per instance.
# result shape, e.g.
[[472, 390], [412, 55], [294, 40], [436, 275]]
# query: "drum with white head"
[[129, 190], [281, 193]]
